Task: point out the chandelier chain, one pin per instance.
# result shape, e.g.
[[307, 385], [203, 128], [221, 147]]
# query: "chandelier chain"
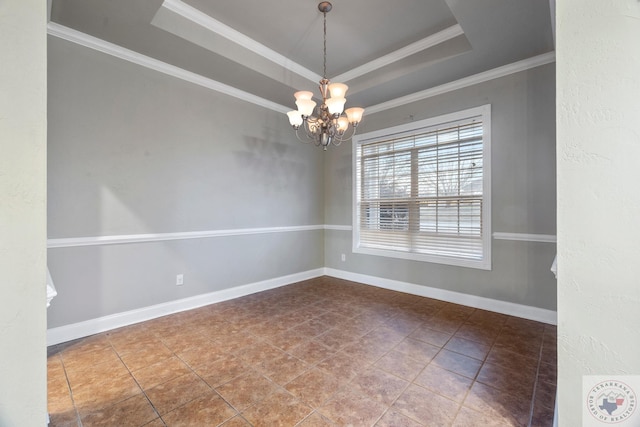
[[324, 72]]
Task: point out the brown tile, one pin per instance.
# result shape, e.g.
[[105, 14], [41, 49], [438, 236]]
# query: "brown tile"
[[200, 355], [350, 408], [379, 385], [444, 382], [316, 420], [222, 370], [525, 346], [342, 366], [172, 394], [236, 421], [280, 408], [232, 343], [111, 366], [134, 411], [155, 423], [257, 353], [126, 343], [384, 337], [287, 340], [469, 418], [478, 333], [246, 390], [393, 418], [92, 397], [207, 410], [417, 350], [545, 394], [518, 383], [66, 418], [548, 373], [498, 405], [148, 356], [468, 348], [400, 365], [160, 372], [457, 363], [542, 416], [61, 408], [487, 319], [311, 328], [430, 336], [283, 368], [510, 360], [404, 325], [86, 357], [335, 338], [314, 387], [312, 352], [364, 350], [426, 407], [445, 325]]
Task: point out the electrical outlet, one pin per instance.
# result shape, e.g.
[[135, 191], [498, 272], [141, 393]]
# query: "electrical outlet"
[[344, 258], [180, 280]]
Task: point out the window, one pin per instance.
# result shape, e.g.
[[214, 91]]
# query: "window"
[[422, 190]]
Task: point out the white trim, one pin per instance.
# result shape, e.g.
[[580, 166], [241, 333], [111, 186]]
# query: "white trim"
[[213, 25], [95, 43], [101, 324], [338, 227], [505, 70], [413, 48], [106, 323], [161, 237], [523, 237], [504, 307]]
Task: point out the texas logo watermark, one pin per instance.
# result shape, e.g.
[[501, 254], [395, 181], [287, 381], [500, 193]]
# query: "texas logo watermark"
[[610, 400]]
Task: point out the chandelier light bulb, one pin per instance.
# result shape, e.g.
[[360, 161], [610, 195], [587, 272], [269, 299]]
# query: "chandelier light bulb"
[[306, 106], [335, 105], [295, 118], [303, 94], [354, 114], [338, 90]]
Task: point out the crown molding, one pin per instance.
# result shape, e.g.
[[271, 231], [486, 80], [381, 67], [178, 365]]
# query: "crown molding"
[[211, 24], [413, 48], [100, 45], [505, 70]]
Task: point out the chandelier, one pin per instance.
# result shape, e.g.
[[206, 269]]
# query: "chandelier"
[[328, 123]]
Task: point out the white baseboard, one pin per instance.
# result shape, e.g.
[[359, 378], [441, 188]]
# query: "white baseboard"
[[106, 323], [504, 307]]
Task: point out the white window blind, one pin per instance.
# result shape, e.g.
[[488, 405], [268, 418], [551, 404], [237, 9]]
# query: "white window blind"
[[422, 193]]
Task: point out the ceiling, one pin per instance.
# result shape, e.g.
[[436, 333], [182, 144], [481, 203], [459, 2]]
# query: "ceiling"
[[266, 51]]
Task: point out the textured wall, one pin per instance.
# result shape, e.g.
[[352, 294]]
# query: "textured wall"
[[133, 151], [523, 192], [23, 125], [598, 199]]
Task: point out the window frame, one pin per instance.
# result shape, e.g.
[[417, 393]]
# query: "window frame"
[[484, 112]]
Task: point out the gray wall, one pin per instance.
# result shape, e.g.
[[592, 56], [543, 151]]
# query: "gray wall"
[[523, 192], [133, 151], [23, 148]]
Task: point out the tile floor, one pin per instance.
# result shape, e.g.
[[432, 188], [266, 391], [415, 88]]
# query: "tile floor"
[[323, 352]]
